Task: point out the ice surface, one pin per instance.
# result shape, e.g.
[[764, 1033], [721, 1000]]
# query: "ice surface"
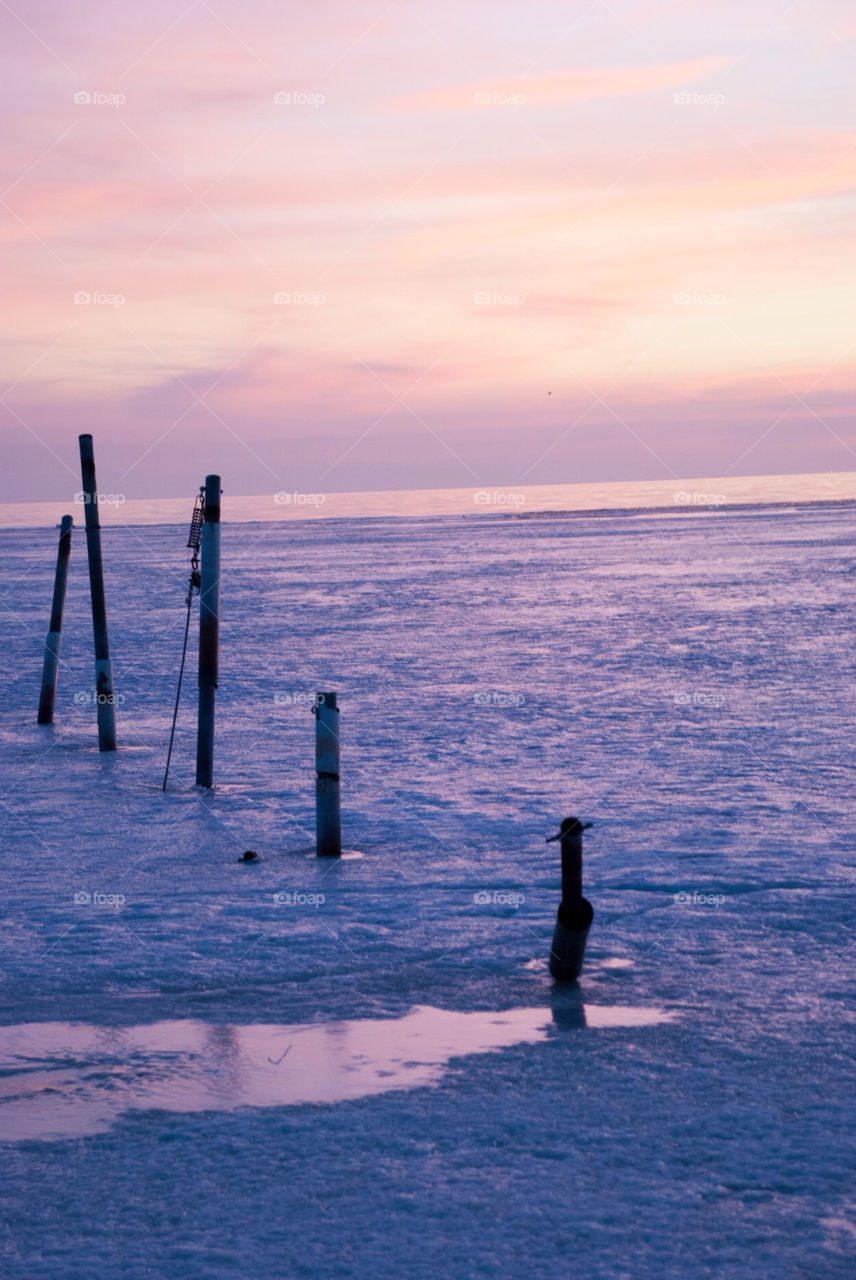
[[686, 684]]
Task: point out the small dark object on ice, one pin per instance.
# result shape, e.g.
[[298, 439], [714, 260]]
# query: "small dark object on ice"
[[249, 855]]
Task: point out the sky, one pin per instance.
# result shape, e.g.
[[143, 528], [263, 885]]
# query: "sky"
[[360, 246]]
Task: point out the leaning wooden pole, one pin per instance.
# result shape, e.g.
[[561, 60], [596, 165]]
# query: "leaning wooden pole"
[[103, 667], [54, 636], [209, 632]]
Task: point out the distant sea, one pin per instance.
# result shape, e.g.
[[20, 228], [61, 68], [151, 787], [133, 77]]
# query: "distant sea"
[[509, 499]]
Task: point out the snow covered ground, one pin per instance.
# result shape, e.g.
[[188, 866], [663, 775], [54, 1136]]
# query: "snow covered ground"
[[375, 1076]]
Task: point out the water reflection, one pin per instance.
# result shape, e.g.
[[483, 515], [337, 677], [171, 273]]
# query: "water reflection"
[[61, 1079], [569, 1012]]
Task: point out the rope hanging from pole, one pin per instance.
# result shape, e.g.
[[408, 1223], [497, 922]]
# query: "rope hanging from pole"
[[194, 539]]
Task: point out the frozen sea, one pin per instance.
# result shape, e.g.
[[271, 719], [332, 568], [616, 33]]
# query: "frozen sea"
[[298, 1068]]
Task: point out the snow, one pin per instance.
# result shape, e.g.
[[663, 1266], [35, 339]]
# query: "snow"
[[685, 684]]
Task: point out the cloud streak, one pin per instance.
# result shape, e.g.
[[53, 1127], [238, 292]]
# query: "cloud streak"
[[574, 84], [633, 208]]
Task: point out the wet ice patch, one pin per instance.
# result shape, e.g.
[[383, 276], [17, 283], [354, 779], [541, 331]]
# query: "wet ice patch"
[[66, 1080]]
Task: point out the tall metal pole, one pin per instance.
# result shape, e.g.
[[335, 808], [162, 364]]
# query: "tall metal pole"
[[103, 667], [54, 636], [328, 824], [209, 632]]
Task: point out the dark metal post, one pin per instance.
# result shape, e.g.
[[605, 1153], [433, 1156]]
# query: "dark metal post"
[[328, 824], [209, 632], [572, 861], [103, 667], [575, 913], [54, 636]]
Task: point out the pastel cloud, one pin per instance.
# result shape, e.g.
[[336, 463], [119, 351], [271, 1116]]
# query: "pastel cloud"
[[575, 84], [402, 201]]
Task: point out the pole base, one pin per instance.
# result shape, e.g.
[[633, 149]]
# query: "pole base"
[[106, 700], [569, 940], [328, 821], [49, 674]]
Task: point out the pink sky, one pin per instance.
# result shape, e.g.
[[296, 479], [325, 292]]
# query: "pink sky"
[[642, 209]]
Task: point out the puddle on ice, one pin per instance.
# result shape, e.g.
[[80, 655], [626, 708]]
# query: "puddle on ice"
[[66, 1079], [539, 965]]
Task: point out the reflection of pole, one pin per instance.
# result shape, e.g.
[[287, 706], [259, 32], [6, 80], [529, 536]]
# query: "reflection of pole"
[[569, 1012], [328, 825], [575, 913], [103, 666], [209, 632], [54, 637]]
